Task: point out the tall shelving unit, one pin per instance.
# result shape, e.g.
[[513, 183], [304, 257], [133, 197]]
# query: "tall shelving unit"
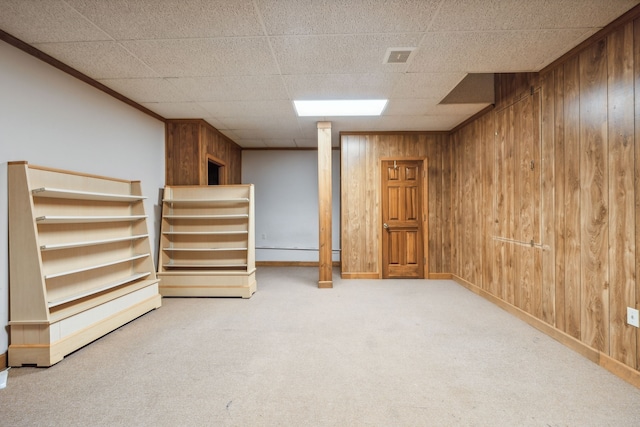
[[80, 260], [207, 247]]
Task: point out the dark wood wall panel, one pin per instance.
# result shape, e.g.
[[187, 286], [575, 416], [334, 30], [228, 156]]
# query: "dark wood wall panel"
[[580, 124], [594, 197], [572, 258], [622, 245], [189, 143]]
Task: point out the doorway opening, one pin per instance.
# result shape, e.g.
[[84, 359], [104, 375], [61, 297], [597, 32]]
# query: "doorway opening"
[[213, 173]]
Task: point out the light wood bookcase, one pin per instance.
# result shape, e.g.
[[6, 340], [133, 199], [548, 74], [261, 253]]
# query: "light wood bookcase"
[[207, 247], [80, 261]]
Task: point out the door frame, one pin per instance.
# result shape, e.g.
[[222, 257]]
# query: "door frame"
[[425, 210]]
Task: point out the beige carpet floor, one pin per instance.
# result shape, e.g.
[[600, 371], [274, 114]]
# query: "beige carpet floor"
[[365, 353]]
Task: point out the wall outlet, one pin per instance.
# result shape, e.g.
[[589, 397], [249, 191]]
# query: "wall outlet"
[[632, 317]]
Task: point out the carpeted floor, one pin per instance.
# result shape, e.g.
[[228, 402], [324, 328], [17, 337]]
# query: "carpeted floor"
[[365, 353]]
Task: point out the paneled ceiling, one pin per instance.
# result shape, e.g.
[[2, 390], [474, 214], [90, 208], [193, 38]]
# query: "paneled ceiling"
[[239, 64]]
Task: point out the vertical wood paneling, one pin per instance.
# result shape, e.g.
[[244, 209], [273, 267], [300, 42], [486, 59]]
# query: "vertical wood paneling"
[[636, 175], [487, 150], [594, 197], [360, 198], [435, 204], [547, 209], [582, 203], [188, 142], [572, 260], [621, 194], [446, 207], [559, 200]]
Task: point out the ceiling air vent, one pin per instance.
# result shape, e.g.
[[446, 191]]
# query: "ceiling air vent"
[[398, 55]]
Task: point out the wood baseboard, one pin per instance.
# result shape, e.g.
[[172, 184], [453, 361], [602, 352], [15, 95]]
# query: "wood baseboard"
[[360, 276], [440, 276], [3, 360], [617, 368], [292, 264], [325, 284]]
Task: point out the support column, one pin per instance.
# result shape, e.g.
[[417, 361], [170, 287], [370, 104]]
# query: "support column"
[[324, 204]]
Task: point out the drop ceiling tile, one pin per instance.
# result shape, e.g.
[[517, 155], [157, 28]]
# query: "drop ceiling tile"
[[98, 60], [339, 54], [250, 108], [231, 88], [474, 15], [259, 122], [205, 57], [154, 19], [486, 52], [409, 106], [280, 143], [425, 85], [265, 133], [251, 143], [340, 86], [176, 110], [36, 21], [294, 17], [228, 133], [146, 90]]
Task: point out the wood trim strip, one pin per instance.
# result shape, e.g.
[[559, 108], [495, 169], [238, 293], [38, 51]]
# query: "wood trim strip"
[[624, 19], [285, 149], [440, 276], [360, 275], [17, 43], [3, 360], [618, 369]]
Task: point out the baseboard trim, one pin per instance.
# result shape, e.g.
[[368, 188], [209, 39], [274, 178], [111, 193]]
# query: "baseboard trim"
[[292, 264], [360, 275], [617, 368], [440, 276], [3, 360], [325, 284]]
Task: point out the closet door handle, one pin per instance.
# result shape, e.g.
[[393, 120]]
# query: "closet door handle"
[[385, 226]]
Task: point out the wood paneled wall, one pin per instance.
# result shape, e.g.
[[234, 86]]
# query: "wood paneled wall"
[[360, 197], [578, 202], [189, 143]]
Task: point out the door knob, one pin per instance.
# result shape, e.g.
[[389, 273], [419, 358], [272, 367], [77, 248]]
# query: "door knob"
[[385, 226]]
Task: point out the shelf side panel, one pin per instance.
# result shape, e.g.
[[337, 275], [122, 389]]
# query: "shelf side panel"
[[27, 292]]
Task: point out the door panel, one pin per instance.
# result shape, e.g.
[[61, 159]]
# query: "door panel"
[[402, 239]]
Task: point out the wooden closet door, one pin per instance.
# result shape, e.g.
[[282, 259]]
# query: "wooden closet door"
[[402, 247]]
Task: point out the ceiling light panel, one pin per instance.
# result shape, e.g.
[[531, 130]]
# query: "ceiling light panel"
[[335, 108]]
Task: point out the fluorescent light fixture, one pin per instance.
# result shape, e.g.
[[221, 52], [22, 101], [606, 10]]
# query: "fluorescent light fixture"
[[345, 107]]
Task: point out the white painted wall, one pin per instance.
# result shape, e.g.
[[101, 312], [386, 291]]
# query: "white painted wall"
[[286, 191], [49, 118]]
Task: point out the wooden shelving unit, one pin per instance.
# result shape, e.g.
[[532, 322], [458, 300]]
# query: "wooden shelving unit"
[[207, 247], [80, 261]]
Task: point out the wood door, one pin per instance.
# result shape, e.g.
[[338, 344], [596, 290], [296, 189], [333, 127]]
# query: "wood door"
[[402, 217]]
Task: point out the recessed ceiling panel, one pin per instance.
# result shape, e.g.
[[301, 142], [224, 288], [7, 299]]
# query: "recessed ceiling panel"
[[301, 17], [98, 60], [232, 88], [205, 57], [487, 52], [168, 19], [35, 21], [474, 15], [340, 54], [341, 86]]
